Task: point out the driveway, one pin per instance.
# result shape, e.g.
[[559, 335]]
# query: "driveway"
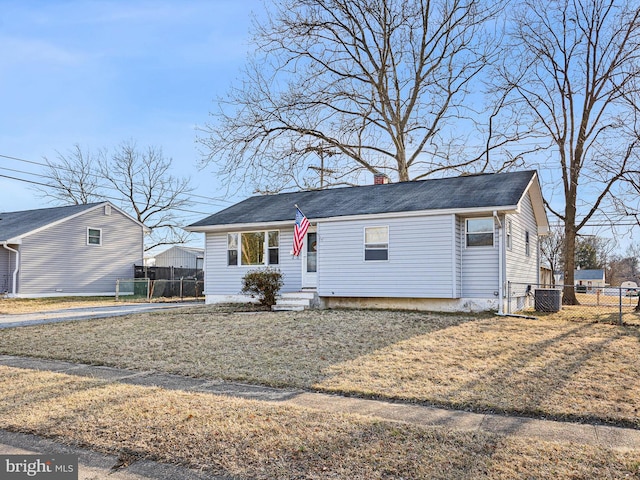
[[83, 313]]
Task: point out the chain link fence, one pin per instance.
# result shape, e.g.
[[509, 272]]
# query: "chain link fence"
[[146, 288], [602, 304]]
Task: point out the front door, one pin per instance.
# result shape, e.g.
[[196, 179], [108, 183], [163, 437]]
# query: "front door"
[[310, 261]]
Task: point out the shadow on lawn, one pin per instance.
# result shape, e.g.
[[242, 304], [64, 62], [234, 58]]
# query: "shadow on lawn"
[[535, 380]]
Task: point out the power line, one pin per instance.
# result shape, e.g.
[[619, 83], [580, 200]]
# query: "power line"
[[33, 182], [48, 185], [41, 164]]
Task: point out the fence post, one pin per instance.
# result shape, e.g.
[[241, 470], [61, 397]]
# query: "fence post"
[[181, 283], [117, 289], [620, 311], [148, 289], [509, 296]]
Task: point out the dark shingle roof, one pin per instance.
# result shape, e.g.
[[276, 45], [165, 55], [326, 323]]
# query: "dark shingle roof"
[[475, 191], [16, 224]]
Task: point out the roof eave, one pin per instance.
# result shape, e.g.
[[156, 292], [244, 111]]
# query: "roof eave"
[[417, 213]]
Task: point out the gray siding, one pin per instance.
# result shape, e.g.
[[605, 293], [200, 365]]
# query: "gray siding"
[[5, 273], [177, 257], [521, 268], [57, 260], [479, 267], [421, 251], [221, 279]]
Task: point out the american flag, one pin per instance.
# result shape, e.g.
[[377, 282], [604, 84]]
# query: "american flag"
[[299, 231]]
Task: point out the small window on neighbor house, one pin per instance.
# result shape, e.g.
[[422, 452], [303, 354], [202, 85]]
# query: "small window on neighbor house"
[[527, 244], [480, 232], [94, 236], [509, 234], [376, 243]]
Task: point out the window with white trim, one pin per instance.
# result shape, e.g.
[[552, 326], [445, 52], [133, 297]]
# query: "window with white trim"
[[479, 232], [253, 248], [94, 236], [509, 234], [376, 243], [527, 244]]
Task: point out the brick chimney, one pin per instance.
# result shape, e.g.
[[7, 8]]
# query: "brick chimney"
[[380, 179]]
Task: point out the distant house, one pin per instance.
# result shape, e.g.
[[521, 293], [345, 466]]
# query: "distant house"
[[72, 250], [446, 244], [180, 257], [589, 278]]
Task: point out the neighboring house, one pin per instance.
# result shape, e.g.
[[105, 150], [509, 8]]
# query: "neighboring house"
[[72, 250], [589, 278], [447, 244], [180, 257], [546, 276]]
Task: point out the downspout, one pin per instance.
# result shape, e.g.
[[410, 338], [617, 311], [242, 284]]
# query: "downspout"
[[500, 262], [15, 272]]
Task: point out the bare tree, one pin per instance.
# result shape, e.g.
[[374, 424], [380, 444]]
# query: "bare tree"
[[138, 181], [382, 84], [147, 189], [551, 249], [574, 66], [72, 177]]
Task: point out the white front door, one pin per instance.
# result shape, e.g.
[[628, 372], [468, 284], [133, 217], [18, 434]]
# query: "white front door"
[[310, 260]]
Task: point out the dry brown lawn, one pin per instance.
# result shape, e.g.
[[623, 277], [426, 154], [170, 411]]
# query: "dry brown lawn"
[[548, 367], [260, 440], [12, 306]]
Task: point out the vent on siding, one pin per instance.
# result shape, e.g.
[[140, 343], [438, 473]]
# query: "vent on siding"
[[107, 209]]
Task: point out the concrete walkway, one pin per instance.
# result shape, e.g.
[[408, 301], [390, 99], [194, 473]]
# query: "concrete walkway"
[[83, 313], [623, 439]]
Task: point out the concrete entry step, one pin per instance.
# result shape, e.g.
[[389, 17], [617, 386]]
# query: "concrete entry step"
[[295, 301]]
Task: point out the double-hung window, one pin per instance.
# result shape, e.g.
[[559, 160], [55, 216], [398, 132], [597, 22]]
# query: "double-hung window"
[[376, 243], [253, 248], [479, 232], [94, 236]]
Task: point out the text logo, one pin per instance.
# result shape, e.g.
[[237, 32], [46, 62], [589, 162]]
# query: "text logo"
[[50, 467]]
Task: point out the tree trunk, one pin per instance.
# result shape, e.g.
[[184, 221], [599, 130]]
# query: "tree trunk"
[[569, 291]]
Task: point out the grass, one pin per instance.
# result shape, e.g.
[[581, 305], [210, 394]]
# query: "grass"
[[13, 306], [550, 367], [260, 440]]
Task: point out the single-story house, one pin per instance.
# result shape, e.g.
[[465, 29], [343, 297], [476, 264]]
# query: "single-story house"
[[592, 278], [68, 251], [180, 257], [446, 244]]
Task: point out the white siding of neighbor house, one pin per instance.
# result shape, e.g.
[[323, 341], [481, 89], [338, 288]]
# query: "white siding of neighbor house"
[[520, 268], [421, 252], [57, 259], [178, 257], [222, 279], [5, 274], [479, 267]]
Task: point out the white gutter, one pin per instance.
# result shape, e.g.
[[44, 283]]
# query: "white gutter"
[[15, 272], [500, 262]]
